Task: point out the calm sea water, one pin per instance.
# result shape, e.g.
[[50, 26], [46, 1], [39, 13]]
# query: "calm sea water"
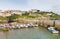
[[29, 33]]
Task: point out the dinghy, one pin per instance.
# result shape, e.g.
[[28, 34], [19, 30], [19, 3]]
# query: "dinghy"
[[52, 29]]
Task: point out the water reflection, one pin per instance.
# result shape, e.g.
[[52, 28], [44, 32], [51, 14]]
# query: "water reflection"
[[29, 33]]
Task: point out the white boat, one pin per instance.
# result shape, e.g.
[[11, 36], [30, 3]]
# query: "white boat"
[[25, 25], [55, 31], [18, 27], [22, 26], [52, 29], [13, 27]]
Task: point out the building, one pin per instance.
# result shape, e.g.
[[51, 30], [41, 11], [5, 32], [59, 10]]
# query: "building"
[[33, 10]]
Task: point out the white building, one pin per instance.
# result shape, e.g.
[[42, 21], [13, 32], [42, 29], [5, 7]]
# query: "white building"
[[49, 14], [33, 10]]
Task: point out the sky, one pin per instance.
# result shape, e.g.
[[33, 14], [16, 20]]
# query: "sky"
[[43, 5]]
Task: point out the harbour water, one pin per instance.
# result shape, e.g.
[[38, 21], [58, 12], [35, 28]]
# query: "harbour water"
[[29, 33]]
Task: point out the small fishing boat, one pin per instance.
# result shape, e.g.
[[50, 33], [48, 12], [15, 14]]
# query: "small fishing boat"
[[52, 29], [30, 26], [55, 31], [5, 29], [18, 27], [13, 27]]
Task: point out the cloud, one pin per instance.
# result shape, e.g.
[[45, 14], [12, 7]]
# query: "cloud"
[[40, 4], [45, 5], [56, 7]]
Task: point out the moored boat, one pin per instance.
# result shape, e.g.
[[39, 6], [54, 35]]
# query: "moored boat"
[[5, 29], [55, 31], [52, 29]]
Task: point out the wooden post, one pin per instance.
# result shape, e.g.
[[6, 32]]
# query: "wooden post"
[[54, 24]]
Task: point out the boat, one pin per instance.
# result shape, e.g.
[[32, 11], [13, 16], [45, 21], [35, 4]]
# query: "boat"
[[22, 26], [55, 31], [52, 30], [5, 29], [30, 26], [18, 27]]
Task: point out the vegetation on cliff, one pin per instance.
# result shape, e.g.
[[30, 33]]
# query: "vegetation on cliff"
[[28, 15]]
